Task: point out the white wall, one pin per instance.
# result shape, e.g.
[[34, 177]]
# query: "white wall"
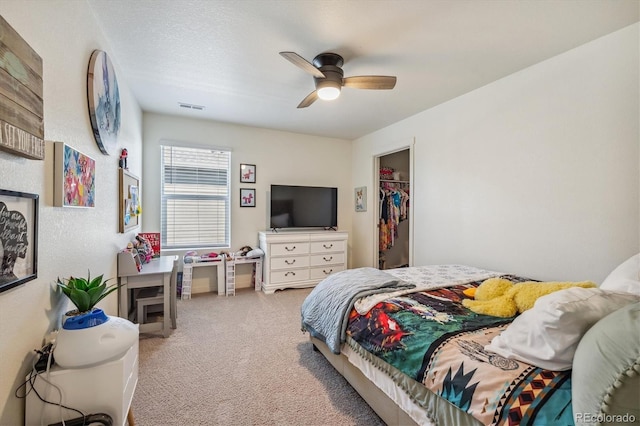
[[536, 174], [280, 158], [71, 241]]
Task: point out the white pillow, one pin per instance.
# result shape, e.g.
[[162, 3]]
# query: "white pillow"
[[548, 334], [625, 277]]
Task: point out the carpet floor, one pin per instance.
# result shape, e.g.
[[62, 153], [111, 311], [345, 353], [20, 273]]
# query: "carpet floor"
[[242, 360]]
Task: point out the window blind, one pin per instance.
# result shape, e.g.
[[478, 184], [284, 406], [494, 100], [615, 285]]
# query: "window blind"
[[195, 197]]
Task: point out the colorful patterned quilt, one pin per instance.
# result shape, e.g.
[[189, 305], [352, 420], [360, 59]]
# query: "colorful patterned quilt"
[[432, 338]]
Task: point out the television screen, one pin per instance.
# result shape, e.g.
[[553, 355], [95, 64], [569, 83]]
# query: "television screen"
[[303, 206]]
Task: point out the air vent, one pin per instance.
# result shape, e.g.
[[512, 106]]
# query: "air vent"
[[191, 106]]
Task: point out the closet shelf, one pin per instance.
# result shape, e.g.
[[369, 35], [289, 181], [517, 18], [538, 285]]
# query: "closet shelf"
[[394, 181]]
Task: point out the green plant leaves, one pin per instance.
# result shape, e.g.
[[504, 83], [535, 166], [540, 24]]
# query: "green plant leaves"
[[86, 293], [95, 293], [81, 299]]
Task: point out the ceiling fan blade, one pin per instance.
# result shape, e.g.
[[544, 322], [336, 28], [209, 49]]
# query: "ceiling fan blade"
[[311, 98], [375, 82], [301, 62]]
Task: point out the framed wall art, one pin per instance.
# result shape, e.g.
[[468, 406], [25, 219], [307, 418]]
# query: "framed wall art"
[[74, 177], [247, 173], [129, 207], [361, 198], [247, 197], [104, 102], [19, 238], [22, 105]]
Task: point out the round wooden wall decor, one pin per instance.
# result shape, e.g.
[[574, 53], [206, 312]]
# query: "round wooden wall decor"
[[104, 101]]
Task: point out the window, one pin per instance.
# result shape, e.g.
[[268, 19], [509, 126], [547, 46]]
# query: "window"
[[195, 197]]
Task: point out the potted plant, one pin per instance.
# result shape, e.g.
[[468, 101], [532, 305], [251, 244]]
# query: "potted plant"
[[85, 293], [86, 338]]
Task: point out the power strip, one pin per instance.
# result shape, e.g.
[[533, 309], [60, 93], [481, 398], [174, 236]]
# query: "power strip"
[[43, 360]]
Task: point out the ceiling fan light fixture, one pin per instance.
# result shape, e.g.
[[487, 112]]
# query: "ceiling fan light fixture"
[[328, 93], [329, 77], [328, 90]]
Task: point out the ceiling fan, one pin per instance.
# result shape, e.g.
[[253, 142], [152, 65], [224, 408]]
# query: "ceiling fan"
[[329, 77]]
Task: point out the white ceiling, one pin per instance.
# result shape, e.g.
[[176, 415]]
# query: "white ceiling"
[[223, 54]]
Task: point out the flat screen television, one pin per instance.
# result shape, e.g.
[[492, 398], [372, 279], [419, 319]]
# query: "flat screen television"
[[303, 207]]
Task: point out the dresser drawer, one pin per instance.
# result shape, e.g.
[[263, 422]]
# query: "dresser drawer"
[[327, 246], [320, 273], [289, 262], [289, 276], [327, 259], [130, 362], [283, 249], [130, 387]]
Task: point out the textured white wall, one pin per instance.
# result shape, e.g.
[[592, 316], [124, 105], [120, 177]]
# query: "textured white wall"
[[280, 158], [536, 173], [71, 241]]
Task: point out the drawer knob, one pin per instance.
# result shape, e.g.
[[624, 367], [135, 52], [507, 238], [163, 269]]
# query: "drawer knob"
[[329, 259], [289, 263], [327, 273], [327, 246], [289, 249], [290, 272]]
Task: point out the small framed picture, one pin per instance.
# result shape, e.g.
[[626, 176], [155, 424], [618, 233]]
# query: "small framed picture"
[[247, 173], [247, 197], [361, 198]]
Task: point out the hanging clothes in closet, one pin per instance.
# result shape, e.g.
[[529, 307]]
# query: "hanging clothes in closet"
[[394, 203]]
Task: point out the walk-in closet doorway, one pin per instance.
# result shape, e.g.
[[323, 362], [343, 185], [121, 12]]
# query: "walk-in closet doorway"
[[394, 213]]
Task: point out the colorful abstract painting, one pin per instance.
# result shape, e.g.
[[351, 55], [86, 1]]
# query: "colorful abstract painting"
[[75, 178]]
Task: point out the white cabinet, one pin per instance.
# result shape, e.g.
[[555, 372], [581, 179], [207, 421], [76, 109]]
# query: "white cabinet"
[[301, 259], [105, 388]]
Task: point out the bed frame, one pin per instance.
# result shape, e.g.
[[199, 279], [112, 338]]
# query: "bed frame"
[[440, 411], [606, 382], [384, 406]]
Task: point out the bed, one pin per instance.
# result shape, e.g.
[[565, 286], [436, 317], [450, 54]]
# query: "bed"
[[408, 346]]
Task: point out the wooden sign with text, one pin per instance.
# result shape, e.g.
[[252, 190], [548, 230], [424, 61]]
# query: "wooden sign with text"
[[21, 93]]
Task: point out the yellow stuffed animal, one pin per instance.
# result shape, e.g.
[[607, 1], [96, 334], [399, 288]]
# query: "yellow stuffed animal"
[[502, 298]]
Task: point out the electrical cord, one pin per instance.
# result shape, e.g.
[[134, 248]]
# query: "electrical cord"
[[48, 370], [31, 380]]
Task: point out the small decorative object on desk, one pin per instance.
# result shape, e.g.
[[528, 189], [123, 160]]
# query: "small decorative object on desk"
[[144, 249], [243, 251], [154, 240], [189, 256], [133, 253], [209, 257], [122, 163]]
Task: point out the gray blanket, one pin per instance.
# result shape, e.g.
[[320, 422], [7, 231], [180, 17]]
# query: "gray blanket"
[[326, 309]]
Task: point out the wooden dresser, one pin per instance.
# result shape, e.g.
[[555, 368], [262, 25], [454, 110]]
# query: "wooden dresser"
[[295, 259]]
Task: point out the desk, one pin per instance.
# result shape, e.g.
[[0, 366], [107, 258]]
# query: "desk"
[[153, 274], [231, 272], [196, 261]]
